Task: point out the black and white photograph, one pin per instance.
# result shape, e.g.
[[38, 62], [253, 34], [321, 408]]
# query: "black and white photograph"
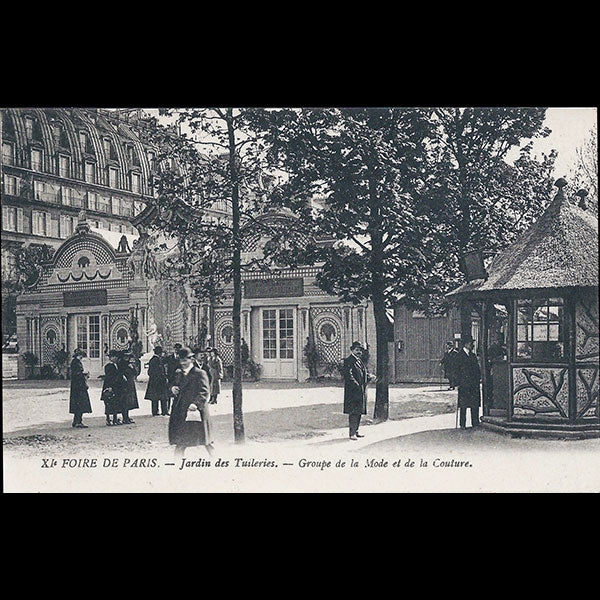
[[300, 299]]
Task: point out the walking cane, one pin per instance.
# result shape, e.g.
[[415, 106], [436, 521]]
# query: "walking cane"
[[456, 424]]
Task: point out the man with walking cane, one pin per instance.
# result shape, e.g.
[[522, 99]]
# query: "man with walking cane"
[[355, 389], [468, 376]]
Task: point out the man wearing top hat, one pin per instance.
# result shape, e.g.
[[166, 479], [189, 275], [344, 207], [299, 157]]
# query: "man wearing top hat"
[[468, 376], [355, 389]]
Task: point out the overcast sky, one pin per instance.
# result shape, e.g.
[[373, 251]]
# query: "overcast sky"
[[570, 127]]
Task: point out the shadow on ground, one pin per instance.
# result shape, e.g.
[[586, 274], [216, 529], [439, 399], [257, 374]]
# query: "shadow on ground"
[[474, 439]]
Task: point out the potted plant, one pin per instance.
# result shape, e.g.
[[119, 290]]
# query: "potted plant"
[[312, 358], [253, 370], [60, 362], [30, 360]]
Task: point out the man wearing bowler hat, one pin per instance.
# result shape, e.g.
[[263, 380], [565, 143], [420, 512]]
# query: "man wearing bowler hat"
[[355, 389]]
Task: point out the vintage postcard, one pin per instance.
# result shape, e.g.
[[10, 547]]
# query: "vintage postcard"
[[363, 299]]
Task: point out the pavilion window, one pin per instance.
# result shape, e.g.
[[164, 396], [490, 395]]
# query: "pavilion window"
[[540, 330]]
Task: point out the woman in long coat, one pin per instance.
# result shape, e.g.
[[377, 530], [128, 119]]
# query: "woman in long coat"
[[158, 389], [79, 399], [215, 364], [191, 391], [127, 366], [112, 389]]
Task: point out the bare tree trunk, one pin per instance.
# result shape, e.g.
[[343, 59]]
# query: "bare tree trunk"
[[382, 393], [238, 416]]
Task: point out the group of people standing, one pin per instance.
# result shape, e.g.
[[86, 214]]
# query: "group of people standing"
[[162, 372], [180, 384], [118, 391]]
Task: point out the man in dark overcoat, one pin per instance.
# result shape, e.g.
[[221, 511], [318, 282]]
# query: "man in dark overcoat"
[[355, 389], [468, 376], [172, 364], [113, 389], [448, 365], [191, 392], [127, 366], [157, 390]]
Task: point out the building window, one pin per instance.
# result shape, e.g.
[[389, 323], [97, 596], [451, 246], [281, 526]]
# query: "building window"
[[113, 178], [90, 172], [77, 198], [65, 195], [29, 127], [103, 203], [92, 201], [85, 142], [126, 208], [67, 226], [269, 334], [64, 166], [540, 330], [135, 183], [39, 222], [10, 185], [46, 192], [9, 264], [8, 153], [9, 218], [36, 160], [60, 136], [116, 205]]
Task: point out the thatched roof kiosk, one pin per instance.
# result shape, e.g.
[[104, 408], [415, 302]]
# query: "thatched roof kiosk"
[[540, 330]]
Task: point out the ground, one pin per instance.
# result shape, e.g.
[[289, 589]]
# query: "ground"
[[36, 419], [417, 449]]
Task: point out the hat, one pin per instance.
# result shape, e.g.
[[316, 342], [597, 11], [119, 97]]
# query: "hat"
[[177, 346], [356, 345], [158, 350], [113, 353], [185, 353], [466, 339]]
